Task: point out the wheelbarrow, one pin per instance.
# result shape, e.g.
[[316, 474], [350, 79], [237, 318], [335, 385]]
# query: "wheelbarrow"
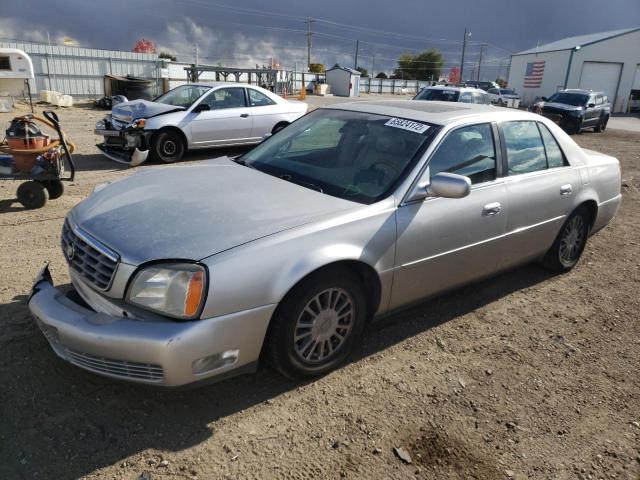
[[43, 172]]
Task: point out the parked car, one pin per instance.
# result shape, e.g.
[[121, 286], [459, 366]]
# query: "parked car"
[[481, 85], [504, 97], [192, 116], [575, 110], [453, 94], [287, 253]]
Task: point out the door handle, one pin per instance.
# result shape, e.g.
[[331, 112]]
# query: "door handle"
[[566, 189], [244, 115], [491, 209]]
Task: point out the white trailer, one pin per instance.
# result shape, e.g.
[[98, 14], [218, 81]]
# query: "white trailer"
[[16, 70]]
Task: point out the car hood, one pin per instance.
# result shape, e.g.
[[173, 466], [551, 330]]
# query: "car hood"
[[561, 106], [192, 212], [129, 111]]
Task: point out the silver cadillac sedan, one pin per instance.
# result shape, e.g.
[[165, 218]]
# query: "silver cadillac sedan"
[[194, 273]]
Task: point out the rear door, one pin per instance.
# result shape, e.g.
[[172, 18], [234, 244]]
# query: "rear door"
[[445, 242], [540, 187], [266, 113], [228, 120]]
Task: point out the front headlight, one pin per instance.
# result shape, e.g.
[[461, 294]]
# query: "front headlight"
[[174, 289], [139, 123]]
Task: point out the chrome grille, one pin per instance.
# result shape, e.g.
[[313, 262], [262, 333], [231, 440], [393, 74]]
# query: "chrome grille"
[[94, 262], [118, 368]]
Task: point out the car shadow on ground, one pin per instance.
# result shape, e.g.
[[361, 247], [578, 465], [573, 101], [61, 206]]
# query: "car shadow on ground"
[[52, 409]]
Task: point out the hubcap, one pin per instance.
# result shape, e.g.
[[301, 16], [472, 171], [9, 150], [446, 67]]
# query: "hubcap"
[[324, 325], [571, 240], [169, 148]]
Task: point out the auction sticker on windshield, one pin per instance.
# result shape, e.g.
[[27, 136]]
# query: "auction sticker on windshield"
[[407, 125]]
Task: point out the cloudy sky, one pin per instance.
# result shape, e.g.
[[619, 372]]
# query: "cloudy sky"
[[249, 32]]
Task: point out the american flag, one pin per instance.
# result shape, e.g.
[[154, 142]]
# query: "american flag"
[[533, 74]]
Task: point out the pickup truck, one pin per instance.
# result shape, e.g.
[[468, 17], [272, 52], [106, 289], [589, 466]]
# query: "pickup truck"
[[575, 110]]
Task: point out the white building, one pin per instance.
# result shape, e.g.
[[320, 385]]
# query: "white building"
[[607, 61], [343, 82]]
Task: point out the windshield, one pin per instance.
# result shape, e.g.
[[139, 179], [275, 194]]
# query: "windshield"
[[183, 96], [575, 99], [507, 91], [351, 155], [438, 94]]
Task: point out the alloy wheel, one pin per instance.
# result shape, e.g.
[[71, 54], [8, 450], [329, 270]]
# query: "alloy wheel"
[[572, 239], [324, 325]]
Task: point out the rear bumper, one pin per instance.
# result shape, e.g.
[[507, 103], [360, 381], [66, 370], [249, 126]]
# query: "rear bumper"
[[606, 211], [165, 353]]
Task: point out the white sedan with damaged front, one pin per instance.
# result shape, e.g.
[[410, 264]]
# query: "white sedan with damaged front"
[[193, 116]]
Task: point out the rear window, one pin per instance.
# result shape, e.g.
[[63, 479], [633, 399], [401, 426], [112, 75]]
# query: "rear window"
[[440, 94]]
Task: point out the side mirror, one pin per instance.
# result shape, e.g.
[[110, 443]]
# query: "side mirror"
[[445, 185], [544, 99], [201, 107], [591, 105]]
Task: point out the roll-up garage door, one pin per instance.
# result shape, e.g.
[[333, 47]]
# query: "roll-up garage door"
[[601, 76], [636, 80]]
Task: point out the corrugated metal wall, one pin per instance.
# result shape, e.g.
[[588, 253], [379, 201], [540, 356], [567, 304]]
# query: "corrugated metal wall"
[[80, 71]]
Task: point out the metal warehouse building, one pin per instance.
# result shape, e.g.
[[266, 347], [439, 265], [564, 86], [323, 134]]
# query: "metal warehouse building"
[[607, 61]]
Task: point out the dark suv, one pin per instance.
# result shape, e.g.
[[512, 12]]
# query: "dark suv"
[[575, 110]]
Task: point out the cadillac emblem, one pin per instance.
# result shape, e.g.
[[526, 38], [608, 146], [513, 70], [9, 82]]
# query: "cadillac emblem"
[[70, 252]]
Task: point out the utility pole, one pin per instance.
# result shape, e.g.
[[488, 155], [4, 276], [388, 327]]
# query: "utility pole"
[[309, 33], [480, 62], [373, 64], [355, 64], [464, 47]]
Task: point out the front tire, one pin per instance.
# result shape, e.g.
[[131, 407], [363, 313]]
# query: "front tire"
[[318, 324], [167, 146], [565, 252], [279, 127]]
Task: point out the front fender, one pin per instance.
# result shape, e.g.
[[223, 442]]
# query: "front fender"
[[264, 271]]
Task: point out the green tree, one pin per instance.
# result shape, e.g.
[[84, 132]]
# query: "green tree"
[[316, 67], [381, 75], [423, 66], [363, 71], [502, 82], [168, 56]]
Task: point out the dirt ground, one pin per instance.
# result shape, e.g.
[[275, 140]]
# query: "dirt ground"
[[527, 375]]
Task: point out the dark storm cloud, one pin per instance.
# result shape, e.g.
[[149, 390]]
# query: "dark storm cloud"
[[227, 36]]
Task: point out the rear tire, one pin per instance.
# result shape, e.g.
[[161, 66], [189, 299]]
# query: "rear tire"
[[279, 127], [318, 324], [565, 252], [32, 195], [602, 124], [55, 188], [167, 146]]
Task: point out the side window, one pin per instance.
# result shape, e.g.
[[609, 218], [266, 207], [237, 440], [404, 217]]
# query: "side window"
[[465, 97], [525, 152], [467, 151], [592, 100], [226, 98], [258, 99], [555, 158], [494, 91], [598, 99]]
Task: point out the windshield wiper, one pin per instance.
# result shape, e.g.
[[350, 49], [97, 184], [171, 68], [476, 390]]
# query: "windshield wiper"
[[290, 178]]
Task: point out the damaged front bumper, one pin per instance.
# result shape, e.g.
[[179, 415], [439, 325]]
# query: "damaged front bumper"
[[158, 352], [125, 145]]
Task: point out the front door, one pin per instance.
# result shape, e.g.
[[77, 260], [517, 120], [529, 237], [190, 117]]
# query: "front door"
[[445, 242], [540, 188], [228, 120]]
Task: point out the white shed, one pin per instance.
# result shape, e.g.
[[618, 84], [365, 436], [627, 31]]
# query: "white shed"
[[606, 61], [16, 69], [343, 81]]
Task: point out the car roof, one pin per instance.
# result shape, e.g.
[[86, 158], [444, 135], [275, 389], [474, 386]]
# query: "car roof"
[[219, 84], [436, 112], [454, 87], [582, 91]]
